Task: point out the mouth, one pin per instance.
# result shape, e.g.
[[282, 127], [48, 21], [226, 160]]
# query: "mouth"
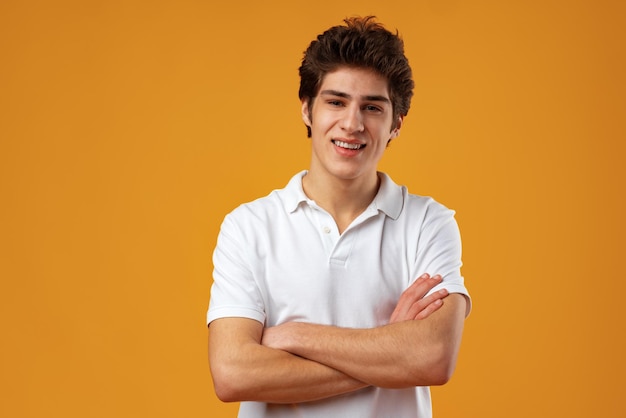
[[347, 145]]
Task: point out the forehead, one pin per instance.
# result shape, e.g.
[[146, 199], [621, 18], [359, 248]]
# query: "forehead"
[[355, 82]]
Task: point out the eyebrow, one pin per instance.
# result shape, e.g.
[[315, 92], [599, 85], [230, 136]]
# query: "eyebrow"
[[371, 98]]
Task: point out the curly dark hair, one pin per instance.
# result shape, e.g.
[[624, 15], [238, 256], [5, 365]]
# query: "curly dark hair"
[[362, 43]]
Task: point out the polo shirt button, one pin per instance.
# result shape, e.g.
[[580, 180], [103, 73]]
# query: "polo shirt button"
[[326, 230]]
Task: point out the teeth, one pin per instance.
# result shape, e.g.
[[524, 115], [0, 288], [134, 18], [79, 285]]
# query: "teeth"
[[348, 146]]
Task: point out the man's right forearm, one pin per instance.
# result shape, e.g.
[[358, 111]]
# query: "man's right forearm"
[[244, 370]]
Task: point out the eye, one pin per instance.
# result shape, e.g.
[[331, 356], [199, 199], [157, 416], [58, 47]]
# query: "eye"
[[335, 103], [373, 108]]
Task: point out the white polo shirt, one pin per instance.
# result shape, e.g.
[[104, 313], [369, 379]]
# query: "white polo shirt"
[[281, 258]]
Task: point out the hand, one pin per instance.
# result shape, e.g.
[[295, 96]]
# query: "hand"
[[278, 336], [413, 304]]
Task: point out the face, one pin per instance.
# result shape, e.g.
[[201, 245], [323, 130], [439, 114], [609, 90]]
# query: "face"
[[351, 123]]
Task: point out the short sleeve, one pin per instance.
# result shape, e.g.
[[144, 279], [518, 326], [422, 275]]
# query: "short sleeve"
[[439, 250], [234, 292]]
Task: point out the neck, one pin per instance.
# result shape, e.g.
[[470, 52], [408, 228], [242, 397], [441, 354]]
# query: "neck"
[[343, 199]]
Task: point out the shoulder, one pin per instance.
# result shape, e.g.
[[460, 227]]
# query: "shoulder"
[[269, 209], [426, 207], [416, 214], [251, 218], [431, 217]]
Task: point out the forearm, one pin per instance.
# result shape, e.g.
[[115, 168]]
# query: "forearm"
[[252, 372], [377, 356], [408, 353]]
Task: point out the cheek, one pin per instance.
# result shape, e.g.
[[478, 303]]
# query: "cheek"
[[383, 133], [322, 119]]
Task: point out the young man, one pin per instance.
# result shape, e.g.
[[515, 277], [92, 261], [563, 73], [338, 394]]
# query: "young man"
[[341, 294]]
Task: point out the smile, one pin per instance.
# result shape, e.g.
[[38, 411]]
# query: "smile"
[[347, 145]]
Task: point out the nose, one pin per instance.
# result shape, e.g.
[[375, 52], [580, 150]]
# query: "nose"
[[352, 120]]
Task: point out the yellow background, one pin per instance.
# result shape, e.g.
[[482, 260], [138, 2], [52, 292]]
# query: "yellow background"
[[128, 129]]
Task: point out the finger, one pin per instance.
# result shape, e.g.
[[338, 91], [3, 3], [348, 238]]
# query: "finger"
[[432, 307], [420, 287], [406, 309], [422, 304], [407, 299], [424, 313]]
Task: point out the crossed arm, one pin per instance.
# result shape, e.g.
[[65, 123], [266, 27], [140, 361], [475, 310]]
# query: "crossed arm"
[[299, 362]]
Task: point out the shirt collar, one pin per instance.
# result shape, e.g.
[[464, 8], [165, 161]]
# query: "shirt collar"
[[389, 198], [294, 193]]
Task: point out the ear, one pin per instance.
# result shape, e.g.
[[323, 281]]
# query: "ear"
[[306, 114], [396, 131]]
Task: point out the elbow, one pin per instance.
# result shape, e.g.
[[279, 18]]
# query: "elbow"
[[442, 367], [441, 374], [225, 393], [227, 387], [437, 371]]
